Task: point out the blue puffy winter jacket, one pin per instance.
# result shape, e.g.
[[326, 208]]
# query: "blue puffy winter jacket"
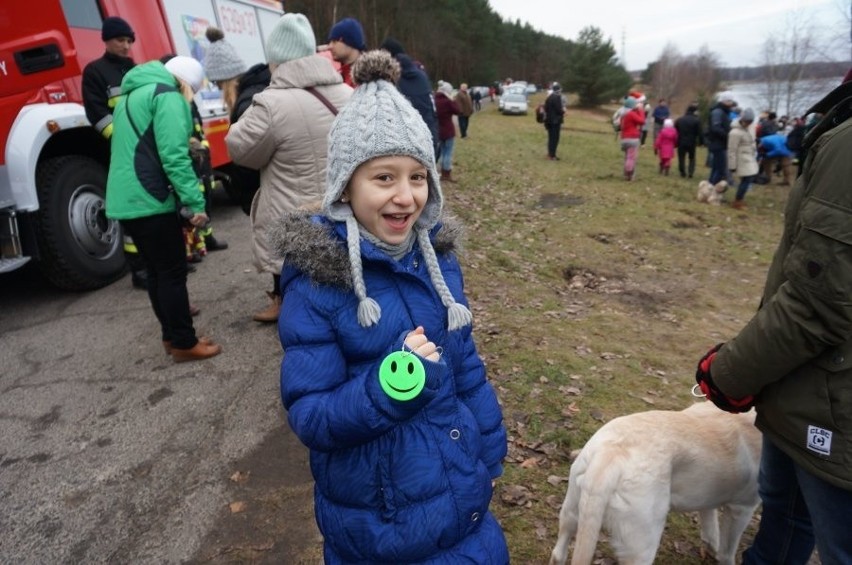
[[775, 145], [396, 482]]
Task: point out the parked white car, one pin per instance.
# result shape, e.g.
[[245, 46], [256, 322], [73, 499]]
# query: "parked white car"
[[514, 103]]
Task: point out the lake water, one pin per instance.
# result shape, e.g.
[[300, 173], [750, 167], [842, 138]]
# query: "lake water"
[[755, 95]]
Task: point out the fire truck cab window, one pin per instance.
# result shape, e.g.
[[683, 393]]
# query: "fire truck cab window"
[[82, 13]]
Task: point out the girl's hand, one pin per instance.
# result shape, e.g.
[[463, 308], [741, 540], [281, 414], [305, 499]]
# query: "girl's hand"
[[417, 342]]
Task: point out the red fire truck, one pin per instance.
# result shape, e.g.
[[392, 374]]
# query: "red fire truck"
[[53, 165]]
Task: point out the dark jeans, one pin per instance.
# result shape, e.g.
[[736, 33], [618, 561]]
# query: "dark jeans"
[[686, 152], [160, 243], [745, 183], [463, 122], [552, 138], [797, 508], [718, 165]]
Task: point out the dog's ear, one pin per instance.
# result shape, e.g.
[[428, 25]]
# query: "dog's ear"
[[721, 186]]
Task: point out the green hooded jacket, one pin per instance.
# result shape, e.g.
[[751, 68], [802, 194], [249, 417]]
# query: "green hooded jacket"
[[795, 355], [150, 163]]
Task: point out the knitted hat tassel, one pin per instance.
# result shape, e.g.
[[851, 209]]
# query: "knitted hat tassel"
[[458, 315], [369, 311]]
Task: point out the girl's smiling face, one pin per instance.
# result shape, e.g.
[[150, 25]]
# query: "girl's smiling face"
[[387, 195]]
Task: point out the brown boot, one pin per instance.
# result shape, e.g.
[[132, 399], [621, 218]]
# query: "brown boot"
[[270, 313], [738, 205], [202, 350], [447, 176]]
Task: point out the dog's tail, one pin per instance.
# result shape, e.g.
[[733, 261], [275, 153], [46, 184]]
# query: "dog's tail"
[[596, 487]]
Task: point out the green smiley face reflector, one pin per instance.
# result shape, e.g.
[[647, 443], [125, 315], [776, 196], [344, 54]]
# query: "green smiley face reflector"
[[402, 375]]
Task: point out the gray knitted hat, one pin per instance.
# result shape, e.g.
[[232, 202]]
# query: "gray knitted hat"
[[378, 121], [221, 62]]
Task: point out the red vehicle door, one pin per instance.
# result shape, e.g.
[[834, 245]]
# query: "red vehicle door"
[[35, 50]]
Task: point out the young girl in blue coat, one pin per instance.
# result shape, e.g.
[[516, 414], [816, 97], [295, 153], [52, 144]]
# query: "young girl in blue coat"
[[381, 378]]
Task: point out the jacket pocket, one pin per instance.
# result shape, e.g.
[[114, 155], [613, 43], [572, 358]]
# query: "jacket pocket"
[[821, 256], [836, 359]]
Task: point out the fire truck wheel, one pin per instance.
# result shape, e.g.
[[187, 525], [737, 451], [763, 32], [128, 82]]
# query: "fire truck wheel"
[[79, 248]]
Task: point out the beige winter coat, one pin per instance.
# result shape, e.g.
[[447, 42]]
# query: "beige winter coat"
[[742, 151], [284, 134]]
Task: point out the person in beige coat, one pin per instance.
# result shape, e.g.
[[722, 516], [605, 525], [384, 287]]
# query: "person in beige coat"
[[742, 155], [284, 135]]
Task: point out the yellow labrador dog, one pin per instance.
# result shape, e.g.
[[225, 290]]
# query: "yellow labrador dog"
[[638, 467]]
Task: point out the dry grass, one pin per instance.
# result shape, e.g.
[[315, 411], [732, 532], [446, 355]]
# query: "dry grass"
[[593, 297]]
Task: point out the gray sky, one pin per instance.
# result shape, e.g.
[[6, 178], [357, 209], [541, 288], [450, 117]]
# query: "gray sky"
[[733, 29]]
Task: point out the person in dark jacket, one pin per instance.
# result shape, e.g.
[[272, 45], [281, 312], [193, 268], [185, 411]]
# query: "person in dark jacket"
[[661, 114], [793, 361], [689, 136], [238, 83], [380, 375], [719, 125], [795, 138], [768, 125], [101, 87], [150, 177], [415, 85], [554, 116]]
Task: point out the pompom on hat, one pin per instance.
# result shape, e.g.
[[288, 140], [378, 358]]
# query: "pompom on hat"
[[186, 69], [114, 26], [221, 62], [378, 121], [291, 38], [350, 32]]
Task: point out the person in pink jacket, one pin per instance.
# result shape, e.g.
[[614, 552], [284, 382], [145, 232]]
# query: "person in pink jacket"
[[665, 144]]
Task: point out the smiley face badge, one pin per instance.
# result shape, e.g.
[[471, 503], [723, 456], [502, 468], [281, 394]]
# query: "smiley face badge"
[[402, 375]]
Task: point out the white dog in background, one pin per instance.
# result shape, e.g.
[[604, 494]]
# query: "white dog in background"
[[637, 467], [711, 194]]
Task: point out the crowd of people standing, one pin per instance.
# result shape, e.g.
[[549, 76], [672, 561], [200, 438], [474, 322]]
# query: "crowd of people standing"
[[348, 219], [742, 148]]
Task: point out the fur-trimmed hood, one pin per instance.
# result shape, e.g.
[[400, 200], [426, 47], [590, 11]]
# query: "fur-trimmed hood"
[[316, 246]]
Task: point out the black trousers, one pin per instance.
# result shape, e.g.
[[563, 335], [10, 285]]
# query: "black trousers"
[[463, 122], [686, 152], [161, 246], [552, 138]]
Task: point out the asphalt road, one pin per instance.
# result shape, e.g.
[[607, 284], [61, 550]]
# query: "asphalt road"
[[110, 452]]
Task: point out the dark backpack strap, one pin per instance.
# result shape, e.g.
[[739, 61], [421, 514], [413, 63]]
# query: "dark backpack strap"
[[322, 99]]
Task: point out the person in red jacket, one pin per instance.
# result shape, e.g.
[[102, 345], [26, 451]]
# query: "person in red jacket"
[[631, 131], [446, 108]]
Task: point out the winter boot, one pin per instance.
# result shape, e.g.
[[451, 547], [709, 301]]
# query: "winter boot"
[[270, 313], [447, 175], [214, 244]]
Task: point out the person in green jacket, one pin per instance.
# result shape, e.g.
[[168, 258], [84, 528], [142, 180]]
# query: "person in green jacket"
[[150, 180], [793, 360]]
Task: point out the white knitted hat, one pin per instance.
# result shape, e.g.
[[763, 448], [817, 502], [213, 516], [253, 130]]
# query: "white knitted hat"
[[187, 69], [378, 121]]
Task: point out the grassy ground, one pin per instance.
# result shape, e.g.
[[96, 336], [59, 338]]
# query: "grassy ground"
[[593, 297]]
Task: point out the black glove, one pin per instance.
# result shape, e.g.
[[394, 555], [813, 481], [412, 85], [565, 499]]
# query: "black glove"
[[712, 392]]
